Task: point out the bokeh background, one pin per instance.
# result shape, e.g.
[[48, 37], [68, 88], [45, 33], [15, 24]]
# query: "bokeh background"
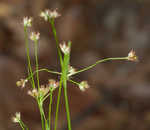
[[119, 97]]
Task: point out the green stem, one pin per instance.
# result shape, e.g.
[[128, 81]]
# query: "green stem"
[[42, 120], [67, 103], [73, 82], [21, 125], [64, 75], [45, 97], [50, 108], [47, 70], [58, 102], [28, 57], [41, 113], [99, 61], [56, 39], [36, 62]]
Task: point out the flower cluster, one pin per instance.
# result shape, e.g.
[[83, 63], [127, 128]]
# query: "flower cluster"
[[44, 89], [71, 70], [49, 14], [132, 56], [65, 48], [35, 36], [52, 84], [21, 83], [41, 92], [27, 21], [16, 118], [83, 85]]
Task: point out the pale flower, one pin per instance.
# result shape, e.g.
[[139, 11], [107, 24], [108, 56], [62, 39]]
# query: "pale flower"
[[132, 56], [45, 15], [71, 70], [33, 92], [35, 36], [27, 21], [52, 84], [83, 85], [64, 48], [49, 14], [21, 82], [54, 14], [16, 118], [41, 92]]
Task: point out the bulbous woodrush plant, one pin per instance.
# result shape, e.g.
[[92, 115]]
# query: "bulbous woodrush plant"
[[41, 92]]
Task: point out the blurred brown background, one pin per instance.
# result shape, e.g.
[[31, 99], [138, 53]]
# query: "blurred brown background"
[[119, 97]]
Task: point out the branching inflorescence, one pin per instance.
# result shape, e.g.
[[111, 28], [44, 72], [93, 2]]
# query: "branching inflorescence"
[[41, 92]]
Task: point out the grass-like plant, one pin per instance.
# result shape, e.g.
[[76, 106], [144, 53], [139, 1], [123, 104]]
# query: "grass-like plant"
[[41, 92]]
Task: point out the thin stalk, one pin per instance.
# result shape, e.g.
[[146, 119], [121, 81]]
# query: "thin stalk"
[[36, 63], [43, 117], [50, 109], [61, 63], [42, 120], [47, 70], [56, 39], [45, 97], [58, 102], [67, 103], [28, 57], [22, 127], [64, 75], [73, 82], [47, 127], [46, 124], [99, 61], [41, 113]]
